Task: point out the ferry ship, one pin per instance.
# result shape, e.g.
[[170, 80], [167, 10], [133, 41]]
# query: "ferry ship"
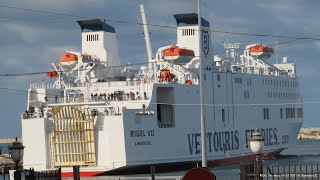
[[103, 116]]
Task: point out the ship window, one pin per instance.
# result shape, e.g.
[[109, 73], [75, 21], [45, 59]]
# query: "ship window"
[[290, 113], [281, 113], [218, 77], [293, 113], [266, 113], [223, 115], [246, 94], [238, 80], [165, 108], [300, 113]]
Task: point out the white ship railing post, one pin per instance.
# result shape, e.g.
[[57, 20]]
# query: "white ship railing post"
[[202, 118]]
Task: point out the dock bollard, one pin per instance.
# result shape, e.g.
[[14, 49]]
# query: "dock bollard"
[[153, 172]]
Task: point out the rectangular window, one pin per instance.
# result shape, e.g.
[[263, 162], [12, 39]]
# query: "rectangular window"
[[300, 113], [165, 116], [287, 113], [293, 113], [165, 109], [246, 94], [223, 115], [266, 113], [218, 77], [281, 113]]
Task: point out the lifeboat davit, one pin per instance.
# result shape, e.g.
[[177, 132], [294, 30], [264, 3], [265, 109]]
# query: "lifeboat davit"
[[261, 51], [178, 55], [68, 59]]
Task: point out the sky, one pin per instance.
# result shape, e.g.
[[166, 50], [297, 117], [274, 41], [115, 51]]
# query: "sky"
[[31, 40]]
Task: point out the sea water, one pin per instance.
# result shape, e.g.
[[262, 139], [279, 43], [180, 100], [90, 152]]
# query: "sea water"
[[304, 152], [5, 148]]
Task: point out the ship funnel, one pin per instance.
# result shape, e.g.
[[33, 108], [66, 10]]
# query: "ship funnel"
[[188, 32], [99, 40]]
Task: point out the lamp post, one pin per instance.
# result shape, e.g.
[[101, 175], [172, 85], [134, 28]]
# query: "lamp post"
[[16, 153], [256, 146]]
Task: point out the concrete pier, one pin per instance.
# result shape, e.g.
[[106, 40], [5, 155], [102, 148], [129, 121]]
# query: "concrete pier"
[[8, 140], [309, 134], [5, 163]]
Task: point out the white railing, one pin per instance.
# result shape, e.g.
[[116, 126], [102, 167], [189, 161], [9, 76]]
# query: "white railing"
[[41, 86], [31, 115], [122, 83], [97, 84]]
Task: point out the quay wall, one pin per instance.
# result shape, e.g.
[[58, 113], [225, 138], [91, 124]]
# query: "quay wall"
[[309, 134], [8, 140]]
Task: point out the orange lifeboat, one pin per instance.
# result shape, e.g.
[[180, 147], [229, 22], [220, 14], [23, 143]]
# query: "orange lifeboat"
[[261, 51], [68, 59], [165, 75], [52, 74], [178, 55]]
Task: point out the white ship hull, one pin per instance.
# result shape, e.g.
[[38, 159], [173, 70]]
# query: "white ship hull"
[[81, 120], [132, 138]]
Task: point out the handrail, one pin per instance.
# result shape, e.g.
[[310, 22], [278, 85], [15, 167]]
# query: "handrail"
[[31, 115]]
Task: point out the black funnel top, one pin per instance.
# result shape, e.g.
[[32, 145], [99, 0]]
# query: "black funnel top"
[[95, 25], [189, 19]]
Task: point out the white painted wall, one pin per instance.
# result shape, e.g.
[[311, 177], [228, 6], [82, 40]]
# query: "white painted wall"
[[35, 140], [105, 47]]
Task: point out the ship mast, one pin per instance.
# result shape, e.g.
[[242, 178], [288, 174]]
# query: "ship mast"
[[148, 43], [202, 118]]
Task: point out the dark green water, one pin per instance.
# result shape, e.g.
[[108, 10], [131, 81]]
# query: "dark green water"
[[4, 148], [305, 152]]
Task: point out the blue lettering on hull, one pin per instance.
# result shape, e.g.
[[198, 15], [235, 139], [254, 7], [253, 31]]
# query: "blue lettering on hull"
[[217, 141], [229, 140]]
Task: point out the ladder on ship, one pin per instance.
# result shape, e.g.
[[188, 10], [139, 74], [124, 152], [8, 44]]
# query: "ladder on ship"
[[72, 137]]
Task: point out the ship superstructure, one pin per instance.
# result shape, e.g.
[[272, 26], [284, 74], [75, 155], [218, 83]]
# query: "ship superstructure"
[[103, 116]]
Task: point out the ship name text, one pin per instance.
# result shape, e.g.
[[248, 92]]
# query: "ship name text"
[[270, 136], [222, 141], [217, 141], [140, 134]]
